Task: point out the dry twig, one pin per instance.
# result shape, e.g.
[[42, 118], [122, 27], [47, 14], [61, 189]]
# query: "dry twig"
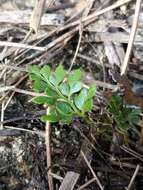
[[86, 184], [93, 173], [40, 133], [78, 46], [20, 45]]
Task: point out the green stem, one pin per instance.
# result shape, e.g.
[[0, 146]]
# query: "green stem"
[[68, 101], [89, 121]]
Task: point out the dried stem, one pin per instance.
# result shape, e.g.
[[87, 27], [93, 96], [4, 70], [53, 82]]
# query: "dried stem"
[[48, 150], [133, 177], [93, 173]]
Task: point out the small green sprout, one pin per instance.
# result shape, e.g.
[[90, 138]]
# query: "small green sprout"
[[124, 116], [64, 93]]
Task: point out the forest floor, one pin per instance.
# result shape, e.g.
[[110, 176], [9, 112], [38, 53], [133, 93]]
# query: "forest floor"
[[104, 38]]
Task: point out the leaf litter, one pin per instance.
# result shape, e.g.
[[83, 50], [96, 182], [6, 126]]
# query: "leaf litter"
[[105, 151]]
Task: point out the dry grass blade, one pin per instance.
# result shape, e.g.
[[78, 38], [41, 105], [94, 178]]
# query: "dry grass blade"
[[93, 173], [2, 115], [20, 45], [57, 176], [40, 133], [132, 37], [77, 48], [36, 15], [86, 184], [133, 153], [133, 177]]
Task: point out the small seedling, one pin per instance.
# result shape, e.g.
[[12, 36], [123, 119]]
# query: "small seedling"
[[124, 116], [64, 93]]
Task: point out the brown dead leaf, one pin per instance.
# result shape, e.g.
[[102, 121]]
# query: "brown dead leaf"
[[129, 96], [37, 15]]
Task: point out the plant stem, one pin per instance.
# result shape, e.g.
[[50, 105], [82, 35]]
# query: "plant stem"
[[89, 121], [48, 150]]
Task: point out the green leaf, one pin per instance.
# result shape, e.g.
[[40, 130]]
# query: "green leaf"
[[88, 105], [123, 127], [134, 116], [51, 117], [59, 74], [115, 105], [64, 88], [44, 100], [39, 85], [124, 117], [51, 93], [65, 119], [45, 72], [64, 108], [34, 77], [80, 99], [34, 70], [52, 79], [76, 87], [91, 91], [73, 78]]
